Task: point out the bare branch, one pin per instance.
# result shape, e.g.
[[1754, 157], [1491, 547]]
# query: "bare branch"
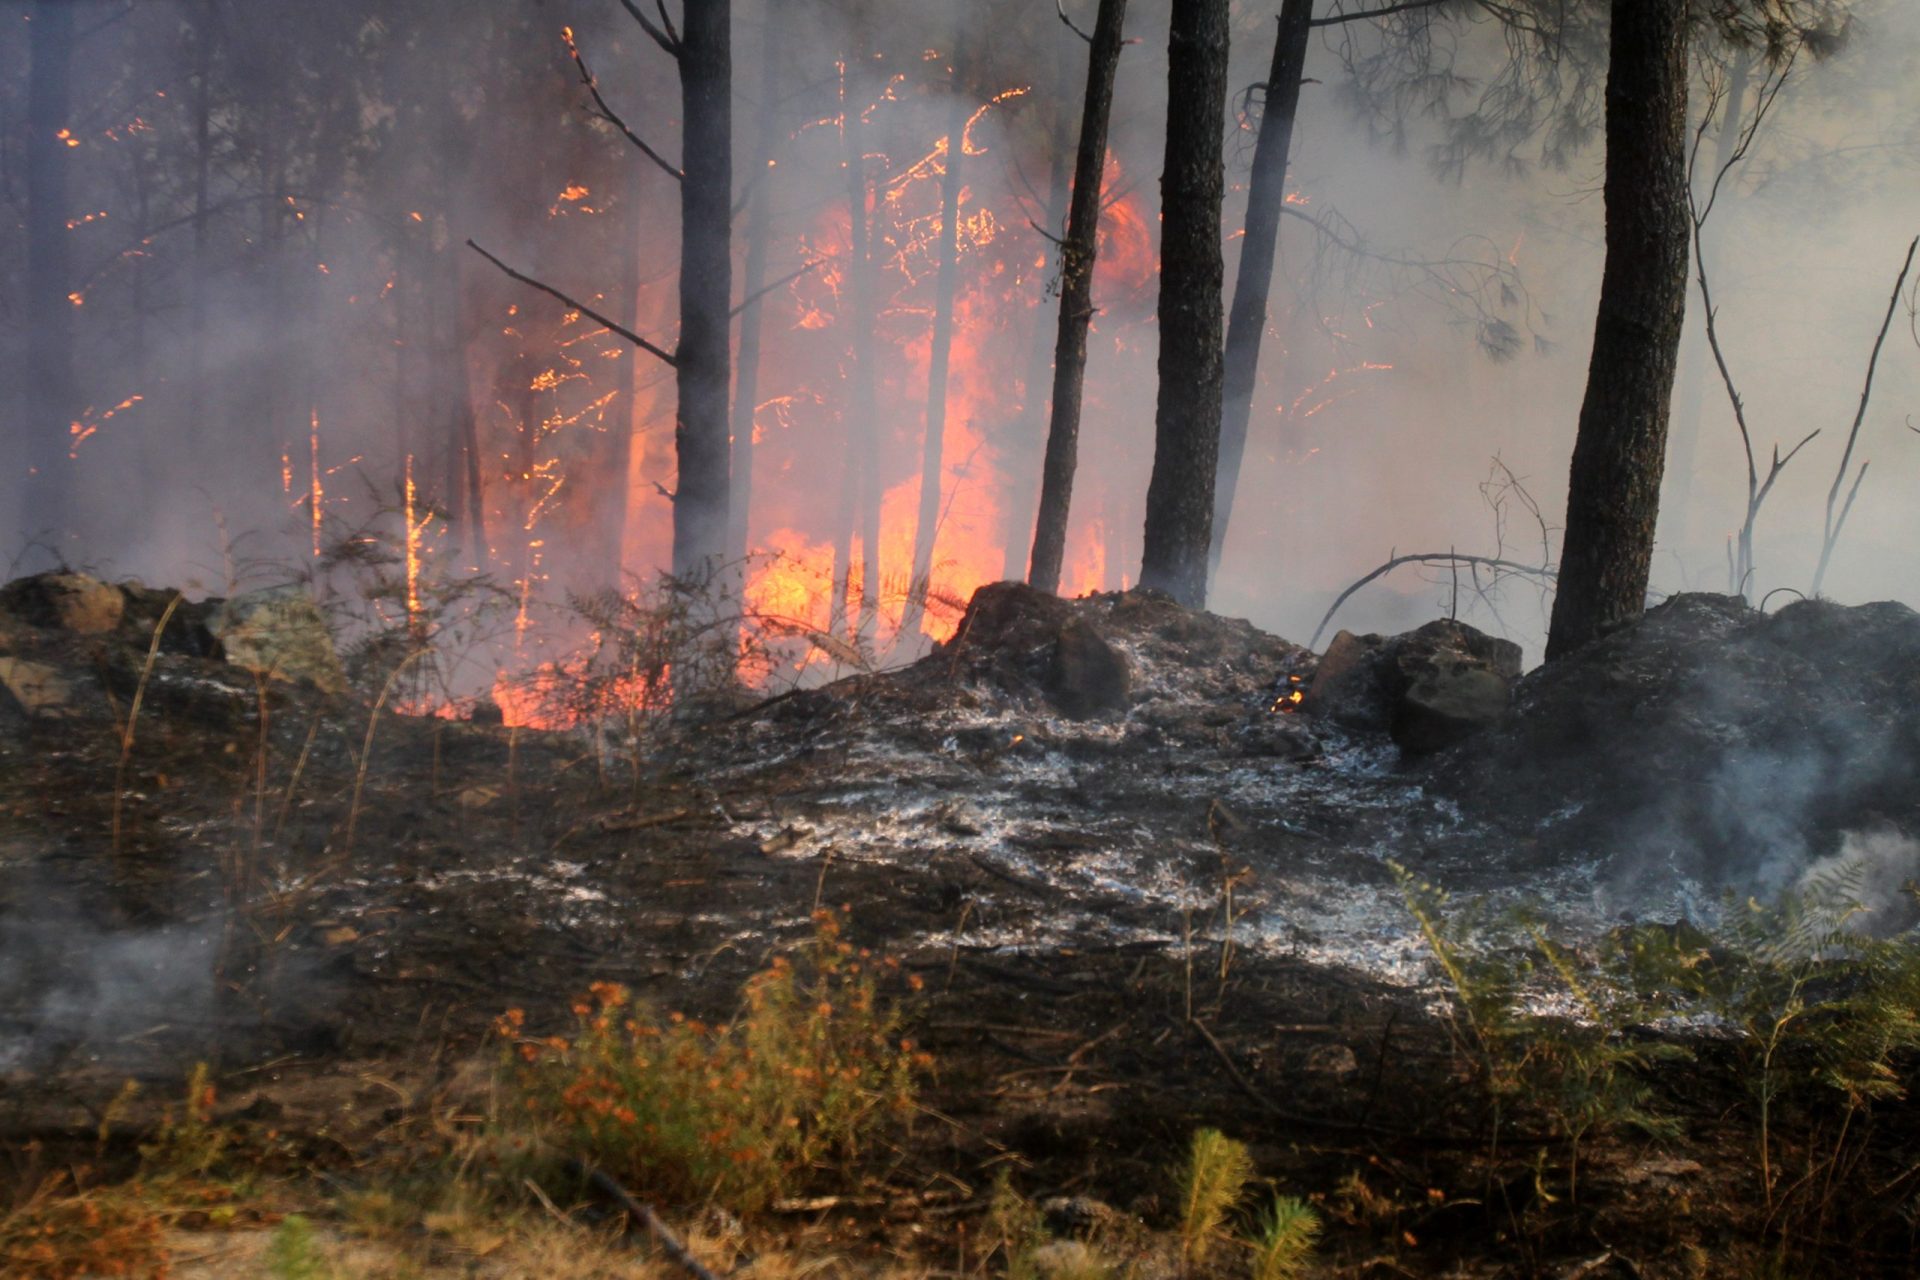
[[1541, 572], [667, 39], [1060, 7], [784, 280], [658, 352], [1831, 532], [607, 113], [1335, 19]]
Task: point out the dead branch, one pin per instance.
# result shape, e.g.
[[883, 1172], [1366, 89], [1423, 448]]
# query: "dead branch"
[[783, 281], [1060, 7], [1501, 566], [646, 1217], [658, 352], [663, 35], [1741, 568], [1364, 15], [1831, 530], [608, 114]]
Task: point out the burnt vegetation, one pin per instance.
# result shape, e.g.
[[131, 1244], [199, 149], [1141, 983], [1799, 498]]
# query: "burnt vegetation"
[[680, 729]]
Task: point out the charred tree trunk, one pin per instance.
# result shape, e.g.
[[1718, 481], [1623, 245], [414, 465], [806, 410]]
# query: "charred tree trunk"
[[933, 442], [1021, 456], [620, 444], [701, 361], [860, 495], [746, 375], [1186, 447], [1077, 255], [1266, 195], [52, 396], [1613, 492]]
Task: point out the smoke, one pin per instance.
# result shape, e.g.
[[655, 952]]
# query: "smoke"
[[1879, 869], [349, 164]]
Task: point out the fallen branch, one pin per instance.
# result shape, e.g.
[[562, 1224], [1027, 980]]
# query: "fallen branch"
[[658, 352], [646, 1217], [1431, 557]]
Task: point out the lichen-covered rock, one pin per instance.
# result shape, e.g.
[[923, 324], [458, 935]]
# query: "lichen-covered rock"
[[64, 601], [279, 632]]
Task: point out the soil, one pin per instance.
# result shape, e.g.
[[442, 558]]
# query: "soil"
[[1129, 922]]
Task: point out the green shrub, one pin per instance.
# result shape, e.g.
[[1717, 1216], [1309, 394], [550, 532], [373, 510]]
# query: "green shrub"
[[806, 1074]]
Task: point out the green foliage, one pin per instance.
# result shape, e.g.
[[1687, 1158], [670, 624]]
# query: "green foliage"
[[1211, 1183], [293, 1254], [1817, 1011], [1580, 1073], [1018, 1228], [806, 1075], [1284, 1245], [187, 1143]]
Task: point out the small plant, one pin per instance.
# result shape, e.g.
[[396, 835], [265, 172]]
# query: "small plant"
[[812, 1068], [1284, 1246], [188, 1143], [103, 1232], [1212, 1182], [293, 1254], [1018, 1228]]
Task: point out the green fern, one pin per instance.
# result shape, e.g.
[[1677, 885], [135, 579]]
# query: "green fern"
[[1288, 1232], [1212, 1182]]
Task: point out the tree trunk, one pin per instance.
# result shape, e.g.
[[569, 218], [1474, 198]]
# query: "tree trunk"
[[196, 433], [1186, 446], [746, 375], [1076, 300], [1266, 195], [933, 442], [1613, 492], [701, 361], [627, 426], [860, 494], [52, 397], [1020, 458], [1695, 360]]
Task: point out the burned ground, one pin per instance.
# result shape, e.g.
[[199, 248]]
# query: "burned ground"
[[1138, 896]]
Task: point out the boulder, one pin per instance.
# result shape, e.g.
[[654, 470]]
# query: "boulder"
[[34, 687], [279, 632], [64, 601], [1085, 675], [1429, 688]]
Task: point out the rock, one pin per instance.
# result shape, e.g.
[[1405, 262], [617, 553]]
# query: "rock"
[[66, 601], [1448, 704], [279, 632], [1077, 1215], [1331, 1060], [1085, 675], [1349, 686], [14, 720], [186, 631], [1429, 688], [36, 688]]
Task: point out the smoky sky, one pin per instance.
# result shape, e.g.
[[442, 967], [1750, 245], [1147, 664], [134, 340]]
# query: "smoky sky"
[[353, 148]]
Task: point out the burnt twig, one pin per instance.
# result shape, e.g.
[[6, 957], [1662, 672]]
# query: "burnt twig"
[[1831, 531], [612, 117], [658, 352], [1541, 572], [646, 1217]]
